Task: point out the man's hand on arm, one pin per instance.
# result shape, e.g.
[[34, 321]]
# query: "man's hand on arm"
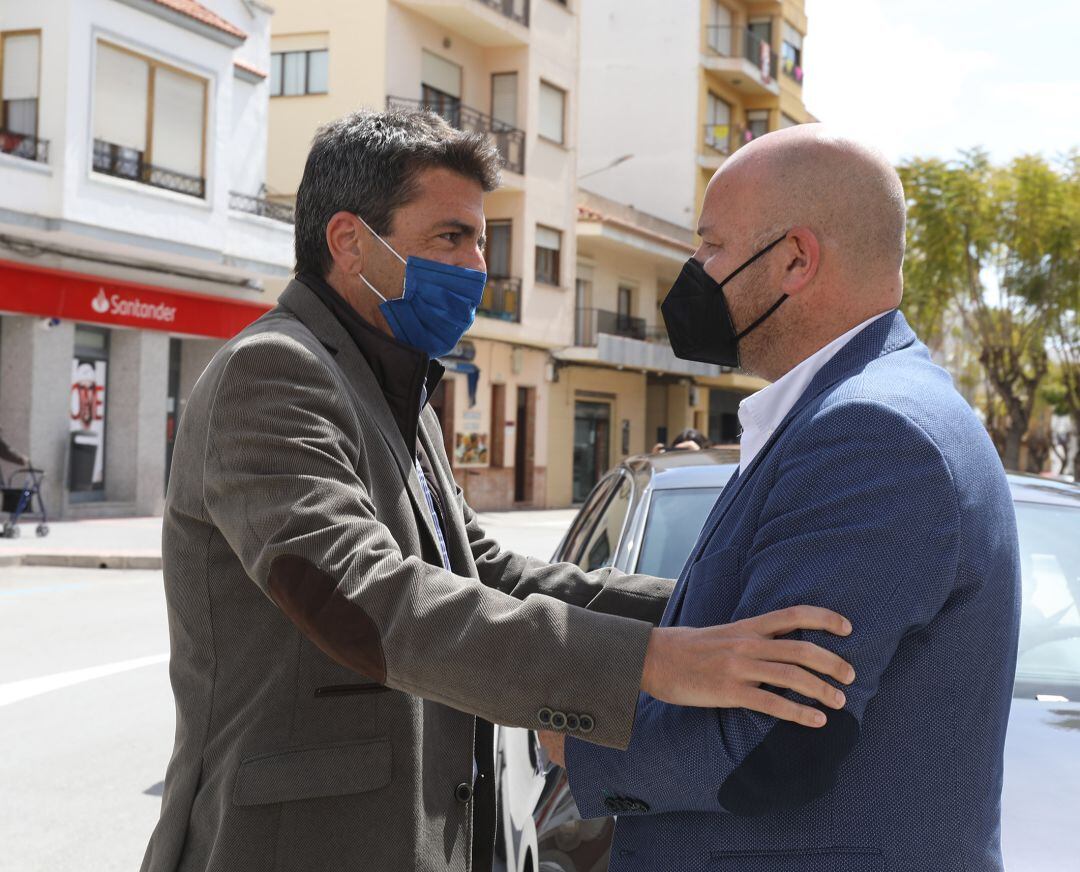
[[725, 666]]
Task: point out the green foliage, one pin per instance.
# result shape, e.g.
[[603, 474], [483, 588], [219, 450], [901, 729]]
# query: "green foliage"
[[994, 256]]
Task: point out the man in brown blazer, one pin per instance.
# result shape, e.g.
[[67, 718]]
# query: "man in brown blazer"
[[343, 632]]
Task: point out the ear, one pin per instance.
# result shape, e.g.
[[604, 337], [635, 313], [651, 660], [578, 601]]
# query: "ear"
[[343, 239], [801, 257]]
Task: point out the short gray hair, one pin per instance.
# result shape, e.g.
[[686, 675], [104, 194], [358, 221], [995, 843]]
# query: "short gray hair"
[[367, 163]]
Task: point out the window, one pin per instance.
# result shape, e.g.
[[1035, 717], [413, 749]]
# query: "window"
[[718, 128], [552, 113], [21, 52], [791, 53], [603, 542], [504, 98], [497, 251], [548, 248], [149, 121], [787, 121], [757, 123], [295, 73], [719, 30], [440, 85]]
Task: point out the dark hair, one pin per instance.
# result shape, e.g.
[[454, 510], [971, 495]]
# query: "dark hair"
[[367, 163], [691, 435]]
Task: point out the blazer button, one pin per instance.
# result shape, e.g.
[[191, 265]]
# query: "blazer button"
[[586, 723], [558, 720], [463, 793], [572, 723], [544, 716]]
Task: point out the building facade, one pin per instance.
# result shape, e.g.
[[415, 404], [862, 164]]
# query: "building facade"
[[695, 79], [134, 238], [507, 68], [619, 389]]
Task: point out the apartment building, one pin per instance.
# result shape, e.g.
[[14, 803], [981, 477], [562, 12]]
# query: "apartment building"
[[507, 68], [620, 389], [134, 238], [668, 92], [676, 87]]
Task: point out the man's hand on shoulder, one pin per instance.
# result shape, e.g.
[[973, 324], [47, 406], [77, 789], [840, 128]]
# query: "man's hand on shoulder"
[[725, 666]]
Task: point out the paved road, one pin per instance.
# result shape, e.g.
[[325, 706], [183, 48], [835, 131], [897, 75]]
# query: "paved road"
[[86, 714]]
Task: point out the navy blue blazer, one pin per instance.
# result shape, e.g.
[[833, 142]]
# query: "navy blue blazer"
[[879, 496]]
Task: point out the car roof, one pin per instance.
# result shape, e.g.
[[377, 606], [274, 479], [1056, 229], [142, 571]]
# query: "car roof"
[[1038, 489], [714, 466], [681, 469]]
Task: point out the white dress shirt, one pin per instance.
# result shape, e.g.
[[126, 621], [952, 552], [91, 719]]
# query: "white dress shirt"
[[761, 413]]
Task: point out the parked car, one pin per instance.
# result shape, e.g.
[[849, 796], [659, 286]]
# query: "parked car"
[[646, 514]]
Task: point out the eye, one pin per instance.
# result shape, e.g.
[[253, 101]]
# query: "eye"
[[453, 237]]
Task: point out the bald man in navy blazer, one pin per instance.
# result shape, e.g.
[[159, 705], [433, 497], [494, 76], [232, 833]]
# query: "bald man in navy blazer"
[[868, 486]]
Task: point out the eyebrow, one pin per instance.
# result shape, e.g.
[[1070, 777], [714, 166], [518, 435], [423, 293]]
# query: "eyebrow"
[[456, 224]]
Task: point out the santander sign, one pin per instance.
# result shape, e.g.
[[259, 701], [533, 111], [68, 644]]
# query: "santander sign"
[[132, 307], [52, 293]]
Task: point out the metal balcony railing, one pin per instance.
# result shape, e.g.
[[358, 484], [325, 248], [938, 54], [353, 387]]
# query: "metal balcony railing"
[[590, 323], [509, 141], [739, 42], [515, 10], [502, 299], [127, 163], [25, 146], [261, 206], [726, 138]]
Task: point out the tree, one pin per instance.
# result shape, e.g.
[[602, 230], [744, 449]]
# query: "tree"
[[995, 249]]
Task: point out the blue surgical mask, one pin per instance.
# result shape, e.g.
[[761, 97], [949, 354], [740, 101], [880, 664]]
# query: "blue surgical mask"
[[437, 305]]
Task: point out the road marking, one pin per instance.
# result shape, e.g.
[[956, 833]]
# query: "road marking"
[[20, 690]]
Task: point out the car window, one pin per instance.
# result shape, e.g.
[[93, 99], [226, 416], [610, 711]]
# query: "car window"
[[603, 541], [1049, 654], [675, 520], [574, 543]]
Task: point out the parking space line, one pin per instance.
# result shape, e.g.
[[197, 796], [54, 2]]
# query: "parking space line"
[[16, 691]]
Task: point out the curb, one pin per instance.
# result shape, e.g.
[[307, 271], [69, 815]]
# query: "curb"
[[84, 561]]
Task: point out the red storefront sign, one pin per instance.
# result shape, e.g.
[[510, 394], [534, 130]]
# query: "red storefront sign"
[[50, 293]]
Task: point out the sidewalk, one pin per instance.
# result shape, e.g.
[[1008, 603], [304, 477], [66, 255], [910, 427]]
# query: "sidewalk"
[[108, 543], [135, 543]]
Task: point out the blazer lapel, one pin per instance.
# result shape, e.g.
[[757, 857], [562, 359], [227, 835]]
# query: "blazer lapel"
[[887, 334], [368, 394]]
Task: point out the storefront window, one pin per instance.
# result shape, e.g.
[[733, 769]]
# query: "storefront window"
[[89, 380]]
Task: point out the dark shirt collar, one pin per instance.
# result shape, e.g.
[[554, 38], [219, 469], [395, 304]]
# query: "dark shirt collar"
[[401, 370]]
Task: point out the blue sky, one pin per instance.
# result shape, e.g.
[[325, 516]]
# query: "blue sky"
[[929, 77]]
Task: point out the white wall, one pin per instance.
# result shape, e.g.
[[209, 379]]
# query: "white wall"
[[173, 225], [639, 91]]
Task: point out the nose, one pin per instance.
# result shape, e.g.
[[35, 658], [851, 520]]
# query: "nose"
[[474, 259]]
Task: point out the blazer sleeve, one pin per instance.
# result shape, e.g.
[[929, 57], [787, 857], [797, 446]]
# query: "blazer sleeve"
[[610, 591], [862, 519], [281, 486]]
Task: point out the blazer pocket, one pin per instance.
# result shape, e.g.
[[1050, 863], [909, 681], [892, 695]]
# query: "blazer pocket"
[[806, 860], [317, 771]]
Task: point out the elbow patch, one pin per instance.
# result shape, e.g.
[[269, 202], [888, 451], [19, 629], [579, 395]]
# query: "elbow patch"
[[312, 600], [792, 766]]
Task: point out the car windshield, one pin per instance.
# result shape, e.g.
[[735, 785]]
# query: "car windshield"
[[675, 519], [1049, 657]]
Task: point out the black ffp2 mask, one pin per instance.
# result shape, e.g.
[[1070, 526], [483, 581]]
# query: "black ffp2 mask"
[[697, 316]]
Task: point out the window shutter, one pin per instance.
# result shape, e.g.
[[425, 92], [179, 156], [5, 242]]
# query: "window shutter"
[[120, 88], [22, 56]]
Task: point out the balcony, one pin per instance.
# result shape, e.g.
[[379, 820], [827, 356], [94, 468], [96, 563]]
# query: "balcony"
[[741, 60], [127, 163], [590, 323], [501, 300], [262, 207], [509, 141], [489, 23], [25, 146]]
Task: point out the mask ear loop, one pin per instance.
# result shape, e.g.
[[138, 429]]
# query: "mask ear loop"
[[775, 306], [389, 248]]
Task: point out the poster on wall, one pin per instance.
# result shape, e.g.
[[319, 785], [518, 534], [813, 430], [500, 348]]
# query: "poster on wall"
[[88, 424], [471, 449]]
